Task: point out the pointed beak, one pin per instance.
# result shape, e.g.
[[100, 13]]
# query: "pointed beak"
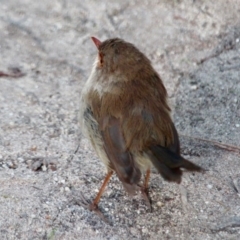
[[96, 42]]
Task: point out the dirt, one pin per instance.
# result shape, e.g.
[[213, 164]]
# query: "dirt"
[[46, 162]]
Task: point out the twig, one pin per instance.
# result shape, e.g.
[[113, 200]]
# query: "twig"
[[227, 147], [226, 223], [13, 75]]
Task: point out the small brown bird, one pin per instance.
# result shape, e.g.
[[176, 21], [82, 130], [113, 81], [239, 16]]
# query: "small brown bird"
[[126, 116]]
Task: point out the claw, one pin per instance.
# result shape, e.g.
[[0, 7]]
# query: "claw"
[[147, 198], [94, 207], [90, 206]]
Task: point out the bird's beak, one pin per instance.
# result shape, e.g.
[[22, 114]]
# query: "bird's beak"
[[96, 42]]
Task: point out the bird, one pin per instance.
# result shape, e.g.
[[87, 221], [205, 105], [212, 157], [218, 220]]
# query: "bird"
[[125, 114]]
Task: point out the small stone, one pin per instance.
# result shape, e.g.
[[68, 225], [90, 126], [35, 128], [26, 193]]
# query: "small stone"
[[194, 87], [33, 148], [44, 168], [237, 125], [210, 186], [67, 189], [11, 124], [159, 204]]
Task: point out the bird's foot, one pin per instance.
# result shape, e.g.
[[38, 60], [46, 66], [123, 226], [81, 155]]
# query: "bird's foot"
[[146, 198], [91, 206]]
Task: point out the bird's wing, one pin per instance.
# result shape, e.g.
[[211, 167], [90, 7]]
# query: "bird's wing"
[[119, 156]]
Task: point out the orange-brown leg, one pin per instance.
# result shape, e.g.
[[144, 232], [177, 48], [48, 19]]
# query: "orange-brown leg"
[[144, 190], [147, 177], [94, 204]]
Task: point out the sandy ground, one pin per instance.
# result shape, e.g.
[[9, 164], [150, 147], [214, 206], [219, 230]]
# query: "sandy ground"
[[45, 162]]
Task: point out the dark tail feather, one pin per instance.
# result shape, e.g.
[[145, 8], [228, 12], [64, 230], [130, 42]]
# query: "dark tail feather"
[[169, 164]]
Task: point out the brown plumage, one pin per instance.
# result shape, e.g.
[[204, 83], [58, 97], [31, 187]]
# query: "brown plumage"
[[126, 116]]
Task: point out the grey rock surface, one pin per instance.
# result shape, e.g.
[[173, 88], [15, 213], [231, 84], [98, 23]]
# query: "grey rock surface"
[[45, 161]]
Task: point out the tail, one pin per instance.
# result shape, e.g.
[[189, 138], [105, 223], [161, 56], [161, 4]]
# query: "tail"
[[170, 164]]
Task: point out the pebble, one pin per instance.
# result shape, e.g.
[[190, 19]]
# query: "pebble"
[[11, 124], [44, 168], [194, 87], [67, 189], [159, 204], [210, 186]]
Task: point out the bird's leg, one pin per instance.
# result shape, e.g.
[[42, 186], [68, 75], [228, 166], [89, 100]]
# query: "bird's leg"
[[144, 190], [94, 205]]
